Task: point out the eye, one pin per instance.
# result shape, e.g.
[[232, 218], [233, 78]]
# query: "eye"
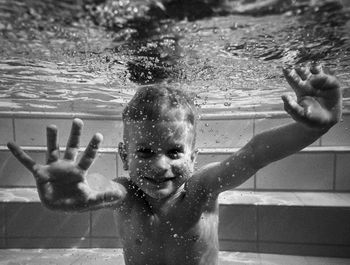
[[175, 153], [144, 152]]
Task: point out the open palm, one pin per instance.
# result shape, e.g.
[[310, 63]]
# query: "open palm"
[[318, 96], [62, 183]]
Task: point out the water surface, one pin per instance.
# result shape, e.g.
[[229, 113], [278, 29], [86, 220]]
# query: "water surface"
[[90, 56]]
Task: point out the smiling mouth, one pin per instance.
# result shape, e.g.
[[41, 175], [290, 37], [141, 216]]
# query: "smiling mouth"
[[158, 181]]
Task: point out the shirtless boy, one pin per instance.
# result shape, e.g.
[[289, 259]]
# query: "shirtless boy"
[[167, 213]]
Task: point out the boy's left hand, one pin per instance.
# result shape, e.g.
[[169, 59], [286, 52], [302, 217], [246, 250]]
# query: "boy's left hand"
[[319, 97]]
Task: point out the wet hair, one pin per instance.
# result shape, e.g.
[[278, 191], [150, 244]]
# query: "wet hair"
[[160, 103]]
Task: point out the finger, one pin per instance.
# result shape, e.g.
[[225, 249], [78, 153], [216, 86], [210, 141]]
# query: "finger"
[[315, 69], [73, 141], [90, 152], [293, 79], [325, 82], [53, 151], [22, 157], [303, 72], [293, 108]]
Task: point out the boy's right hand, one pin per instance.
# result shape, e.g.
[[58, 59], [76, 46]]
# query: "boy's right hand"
[[62, 183]]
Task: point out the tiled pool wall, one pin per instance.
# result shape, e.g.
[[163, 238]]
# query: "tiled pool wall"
[[322, 167]]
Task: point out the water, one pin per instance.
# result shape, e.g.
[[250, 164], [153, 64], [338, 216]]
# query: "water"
[[90, 56]]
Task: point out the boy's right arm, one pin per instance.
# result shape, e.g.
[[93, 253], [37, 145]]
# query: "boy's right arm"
[[62, 183]]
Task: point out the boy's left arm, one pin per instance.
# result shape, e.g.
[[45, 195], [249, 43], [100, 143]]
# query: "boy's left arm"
[[317, 109]]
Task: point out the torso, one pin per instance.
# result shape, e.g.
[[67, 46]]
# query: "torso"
[[185, 232]]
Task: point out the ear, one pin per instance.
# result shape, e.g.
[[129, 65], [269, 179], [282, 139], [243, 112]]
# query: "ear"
[[123, 155]]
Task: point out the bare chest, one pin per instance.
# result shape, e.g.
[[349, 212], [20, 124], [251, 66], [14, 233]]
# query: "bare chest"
[[177, 236]]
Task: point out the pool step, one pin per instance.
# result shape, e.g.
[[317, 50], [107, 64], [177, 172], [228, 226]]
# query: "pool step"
[[297, 223], [115, 256]]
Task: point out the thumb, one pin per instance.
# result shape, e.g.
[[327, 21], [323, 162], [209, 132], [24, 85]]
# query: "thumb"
[[293, 108], [105, 198]]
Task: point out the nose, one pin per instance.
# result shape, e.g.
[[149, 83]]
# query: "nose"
[[161, 164]]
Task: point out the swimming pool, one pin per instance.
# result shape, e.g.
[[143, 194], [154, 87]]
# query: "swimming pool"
[[64, 59]]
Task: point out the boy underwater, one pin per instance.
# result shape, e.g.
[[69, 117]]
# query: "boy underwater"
[[167, 212]]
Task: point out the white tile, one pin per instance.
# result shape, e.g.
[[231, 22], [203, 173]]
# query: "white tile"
[[6, 130], [259, 198], [326, 261], [275, 259], [238, 258], [339, 134], [302, 171], [342, 177], [321, 199], [112, 131], [224, 133], [32, 131]]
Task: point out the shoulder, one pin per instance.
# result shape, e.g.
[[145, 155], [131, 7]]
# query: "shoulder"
[[198, 185], [201, 179]]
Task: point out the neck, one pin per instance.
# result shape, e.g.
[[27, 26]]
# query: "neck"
[[164, 204]]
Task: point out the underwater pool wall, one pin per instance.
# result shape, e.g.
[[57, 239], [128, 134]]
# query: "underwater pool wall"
[[299, 205]]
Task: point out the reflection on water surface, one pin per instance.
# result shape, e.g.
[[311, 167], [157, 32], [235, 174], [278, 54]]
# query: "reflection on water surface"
[[90, 56]]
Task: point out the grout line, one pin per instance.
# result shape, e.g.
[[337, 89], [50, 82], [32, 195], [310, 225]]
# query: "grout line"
[[90, 229], [62, 149], [255, 182], [309, 149], [254, 177], [5, 225], [13, 129], [257, 214], [334, 171], [19, 187], [45, 237], [305, 243], [117, 164], [254, 129], [227, 199], [213, 150], [117, 116], [237, 240]]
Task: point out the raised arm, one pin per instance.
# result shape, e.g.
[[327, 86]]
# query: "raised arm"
[[317, 109], [62, 183]]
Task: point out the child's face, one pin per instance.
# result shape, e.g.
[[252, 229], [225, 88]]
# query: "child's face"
[[159, 155]]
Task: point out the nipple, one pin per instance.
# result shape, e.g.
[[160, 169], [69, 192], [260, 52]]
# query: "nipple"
[[138, 241], [195, 238]]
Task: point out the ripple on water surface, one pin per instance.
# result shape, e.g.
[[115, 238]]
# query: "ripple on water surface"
[[90, 56]]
